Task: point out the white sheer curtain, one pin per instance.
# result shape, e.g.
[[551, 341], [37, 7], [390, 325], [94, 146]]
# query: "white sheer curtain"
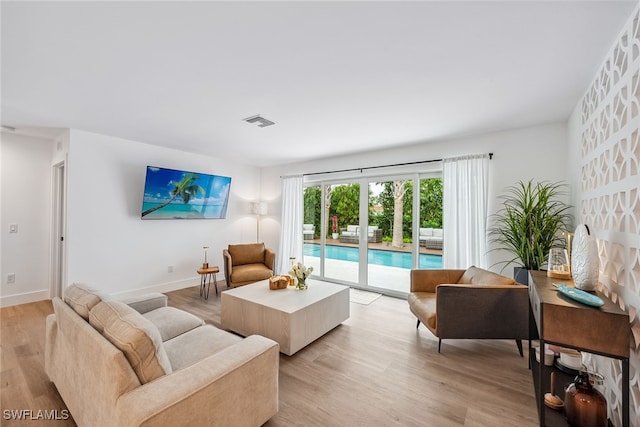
[[464, 205], [291, 223]]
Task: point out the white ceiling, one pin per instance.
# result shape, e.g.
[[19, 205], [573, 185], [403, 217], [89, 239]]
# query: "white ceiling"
[[336, 77]]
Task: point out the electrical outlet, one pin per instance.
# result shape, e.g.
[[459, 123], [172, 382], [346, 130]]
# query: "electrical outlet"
[[13, 228], [170, 269], [11, 278]]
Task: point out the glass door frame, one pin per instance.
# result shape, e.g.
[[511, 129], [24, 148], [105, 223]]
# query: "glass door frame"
[[415, 218], [415, 177]]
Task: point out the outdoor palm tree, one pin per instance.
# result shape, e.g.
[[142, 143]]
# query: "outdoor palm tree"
[[399, 190], [185, 188], [328, 189]]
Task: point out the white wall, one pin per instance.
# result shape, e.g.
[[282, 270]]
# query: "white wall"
[[532, 153], [25, 176], [109, 246]]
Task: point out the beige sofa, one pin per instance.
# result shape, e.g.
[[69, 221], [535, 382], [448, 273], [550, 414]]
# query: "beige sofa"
[[247, 263], [472, 303], [146, 364]]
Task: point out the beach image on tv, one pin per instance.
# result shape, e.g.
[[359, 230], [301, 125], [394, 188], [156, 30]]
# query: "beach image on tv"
[[175, 194]]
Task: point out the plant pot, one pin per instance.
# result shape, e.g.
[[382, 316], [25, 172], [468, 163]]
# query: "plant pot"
[[335, 236], [521, 275]]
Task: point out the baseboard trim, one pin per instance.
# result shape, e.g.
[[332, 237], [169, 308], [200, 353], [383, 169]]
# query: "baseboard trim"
[[162, 288], [25, 298]]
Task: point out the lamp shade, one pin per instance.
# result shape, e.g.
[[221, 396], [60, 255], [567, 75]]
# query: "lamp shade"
[[259, 208]]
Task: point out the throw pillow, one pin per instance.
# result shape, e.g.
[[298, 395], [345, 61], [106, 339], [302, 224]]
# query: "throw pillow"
[[478, 276], [82, 298], [135, 336]]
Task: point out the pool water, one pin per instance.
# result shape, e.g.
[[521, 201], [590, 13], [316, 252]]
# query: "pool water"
[[375, 256]]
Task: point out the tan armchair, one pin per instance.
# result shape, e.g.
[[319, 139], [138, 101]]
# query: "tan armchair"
[[247, 263], [473, 303]]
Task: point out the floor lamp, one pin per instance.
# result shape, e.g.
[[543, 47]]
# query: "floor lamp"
[[258, 208]]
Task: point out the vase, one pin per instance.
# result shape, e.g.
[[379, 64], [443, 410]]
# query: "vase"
[[584, 259], [584, 406], [302, 284]]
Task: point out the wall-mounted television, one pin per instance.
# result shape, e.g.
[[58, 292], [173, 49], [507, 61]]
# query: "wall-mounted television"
[[178, 194]]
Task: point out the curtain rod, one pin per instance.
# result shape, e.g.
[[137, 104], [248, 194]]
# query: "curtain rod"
[[380, 166]]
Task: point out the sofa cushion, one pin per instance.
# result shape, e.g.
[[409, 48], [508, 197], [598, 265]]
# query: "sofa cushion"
[[146, 302], [249, 253], [82, 298], [426, 232], [438, 232], [99, 317], [478, 276], [135, 336], [172, 322], [193, 346], [308, 227], [250, 272]]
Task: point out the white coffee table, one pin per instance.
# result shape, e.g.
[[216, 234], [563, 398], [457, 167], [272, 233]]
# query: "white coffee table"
[[291, 317]]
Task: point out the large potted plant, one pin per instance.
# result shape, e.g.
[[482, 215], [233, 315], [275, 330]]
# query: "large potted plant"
[[530, 223]]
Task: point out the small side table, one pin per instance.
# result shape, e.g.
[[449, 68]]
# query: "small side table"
[[206, 275]]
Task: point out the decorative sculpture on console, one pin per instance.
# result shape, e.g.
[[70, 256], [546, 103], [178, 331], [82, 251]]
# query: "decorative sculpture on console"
[[584, 259]]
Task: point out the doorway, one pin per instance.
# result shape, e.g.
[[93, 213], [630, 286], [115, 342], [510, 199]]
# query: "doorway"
[[58, 231]]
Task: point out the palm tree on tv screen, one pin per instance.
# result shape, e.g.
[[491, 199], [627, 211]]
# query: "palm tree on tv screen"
[[185, 188]]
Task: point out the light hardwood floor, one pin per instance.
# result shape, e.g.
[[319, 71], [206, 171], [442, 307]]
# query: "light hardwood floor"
[[376, 369]]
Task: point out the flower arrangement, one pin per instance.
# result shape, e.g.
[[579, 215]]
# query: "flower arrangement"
[[300, 272]]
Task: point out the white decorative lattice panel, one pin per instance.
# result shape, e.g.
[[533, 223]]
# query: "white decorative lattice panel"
[[634, 153], [610, 200], [634, 211], [634, 101]]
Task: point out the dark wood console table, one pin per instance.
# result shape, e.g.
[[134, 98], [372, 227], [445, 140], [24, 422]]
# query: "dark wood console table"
[[557, 320]]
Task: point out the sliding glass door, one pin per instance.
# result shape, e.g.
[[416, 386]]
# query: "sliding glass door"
[[311, 227], [342, 221], [431, 232], [389, 236], [367, 232], [332, 211]]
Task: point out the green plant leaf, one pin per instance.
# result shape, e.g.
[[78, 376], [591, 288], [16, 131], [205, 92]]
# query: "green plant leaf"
[[530, 222]]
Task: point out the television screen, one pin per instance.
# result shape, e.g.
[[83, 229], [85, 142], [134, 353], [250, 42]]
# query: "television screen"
[[176, 194]]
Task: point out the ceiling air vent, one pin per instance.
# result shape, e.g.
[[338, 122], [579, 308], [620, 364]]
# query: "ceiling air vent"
[[262, 122]]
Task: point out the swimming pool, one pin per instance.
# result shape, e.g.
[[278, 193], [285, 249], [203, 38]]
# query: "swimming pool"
[[375, 256]]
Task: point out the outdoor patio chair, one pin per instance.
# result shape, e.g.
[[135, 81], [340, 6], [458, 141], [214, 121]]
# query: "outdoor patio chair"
[[308, 231]]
